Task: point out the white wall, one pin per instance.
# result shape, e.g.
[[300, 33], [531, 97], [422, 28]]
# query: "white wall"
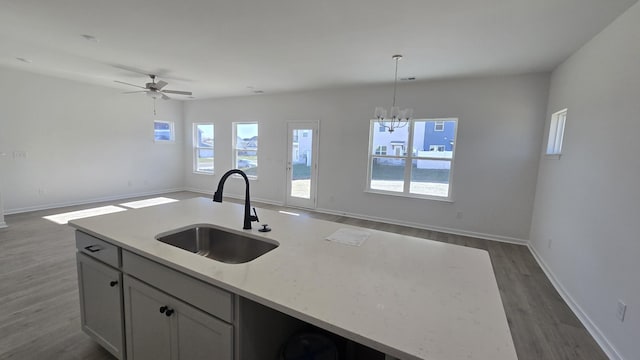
[[588, 202], [82, 143], [499, 137]]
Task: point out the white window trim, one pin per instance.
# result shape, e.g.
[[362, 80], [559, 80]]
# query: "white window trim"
[[194, 141], [234, 152], [409, 157], [556, 134], [172, 132]]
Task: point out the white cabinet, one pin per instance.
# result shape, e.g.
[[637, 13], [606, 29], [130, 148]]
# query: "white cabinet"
[[100, 288], [159, 326]]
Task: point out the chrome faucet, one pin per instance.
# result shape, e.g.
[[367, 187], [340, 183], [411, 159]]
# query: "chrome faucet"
[[217, 197]]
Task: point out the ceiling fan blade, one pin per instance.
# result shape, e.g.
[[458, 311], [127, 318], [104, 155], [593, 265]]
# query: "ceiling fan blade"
[[177, 92], [122, 82], [133, 92], [165, 97], [160, 84]]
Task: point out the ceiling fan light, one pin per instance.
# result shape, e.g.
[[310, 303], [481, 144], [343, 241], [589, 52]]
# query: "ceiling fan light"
[[154, 94]]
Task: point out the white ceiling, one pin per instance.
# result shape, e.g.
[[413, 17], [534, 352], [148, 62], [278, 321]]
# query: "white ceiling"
[[219, 48]]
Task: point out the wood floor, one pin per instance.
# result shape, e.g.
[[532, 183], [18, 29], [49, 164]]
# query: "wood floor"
[[40, 318]]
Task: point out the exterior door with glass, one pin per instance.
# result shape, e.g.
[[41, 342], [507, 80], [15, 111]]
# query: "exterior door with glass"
[[302, 164]]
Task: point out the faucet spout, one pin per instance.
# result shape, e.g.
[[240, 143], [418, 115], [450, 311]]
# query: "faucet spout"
[[217, 197]]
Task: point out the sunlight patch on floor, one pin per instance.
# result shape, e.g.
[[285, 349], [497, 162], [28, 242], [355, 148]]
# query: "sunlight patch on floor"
[[148, 202], [63, 218], [288, 213]]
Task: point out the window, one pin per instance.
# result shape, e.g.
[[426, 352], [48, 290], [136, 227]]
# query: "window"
[[203, 148], [245, 148], [421, 170], [381, 150], [163, 131], [556, 133]]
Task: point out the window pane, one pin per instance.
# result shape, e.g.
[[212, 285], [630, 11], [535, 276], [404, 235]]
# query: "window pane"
[[246, 136], [204, 135], [162, 131], [247, 161], [434, 138], [387, 174], [394, 143], [301, 160], [203, 139], [204, 160], [430, 177]]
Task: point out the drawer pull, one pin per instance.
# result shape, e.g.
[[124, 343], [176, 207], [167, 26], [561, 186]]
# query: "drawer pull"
[[113, 283], [167, 311], [93, 248]]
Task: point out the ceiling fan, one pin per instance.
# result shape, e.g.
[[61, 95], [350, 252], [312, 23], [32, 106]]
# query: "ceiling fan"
[[154, 89]]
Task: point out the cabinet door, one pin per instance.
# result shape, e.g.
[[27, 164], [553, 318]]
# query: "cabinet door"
[[148, 329], [100, 288], [160, 326], [202, 336]]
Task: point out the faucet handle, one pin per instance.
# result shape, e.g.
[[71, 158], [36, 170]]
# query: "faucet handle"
[[254, 217]]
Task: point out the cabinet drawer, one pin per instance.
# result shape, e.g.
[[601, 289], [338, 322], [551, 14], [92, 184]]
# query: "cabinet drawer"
[[209, 298], [98, 249]]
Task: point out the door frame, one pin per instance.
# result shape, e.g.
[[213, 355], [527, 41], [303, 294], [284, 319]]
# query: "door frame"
[[288, 199]]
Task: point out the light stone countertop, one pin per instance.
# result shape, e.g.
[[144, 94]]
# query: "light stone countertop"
[[410, 298]]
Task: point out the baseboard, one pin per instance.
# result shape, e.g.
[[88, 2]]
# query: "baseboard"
[[591, 327], [87, 201], [500, 238]]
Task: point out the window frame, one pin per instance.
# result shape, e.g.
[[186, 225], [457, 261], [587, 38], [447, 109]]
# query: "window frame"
[[408, 158], [555, 138], [196, 148], [234, 151], [172, 132]]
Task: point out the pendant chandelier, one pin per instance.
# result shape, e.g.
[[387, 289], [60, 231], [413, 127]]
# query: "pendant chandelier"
[[397, 118]]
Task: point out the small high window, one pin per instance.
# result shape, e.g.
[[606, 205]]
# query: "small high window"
[[556, 133], [163, 131], [438, 126]]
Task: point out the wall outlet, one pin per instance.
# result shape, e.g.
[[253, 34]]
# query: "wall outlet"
[[549, 242], [41, 191], [19, 155], [622, 309], [459, 215]]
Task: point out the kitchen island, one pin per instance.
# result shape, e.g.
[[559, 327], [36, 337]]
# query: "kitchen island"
[[406, 297]]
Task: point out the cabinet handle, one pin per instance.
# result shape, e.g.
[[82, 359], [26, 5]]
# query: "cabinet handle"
[[93, 248], [113, 283], [167, 311]]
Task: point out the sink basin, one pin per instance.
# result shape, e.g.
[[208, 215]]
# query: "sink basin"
[[218, 244]]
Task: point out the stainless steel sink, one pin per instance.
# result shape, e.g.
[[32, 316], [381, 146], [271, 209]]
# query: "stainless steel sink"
[[218, 244]]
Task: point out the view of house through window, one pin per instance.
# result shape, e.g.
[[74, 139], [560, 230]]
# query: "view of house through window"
[[245, 148], [203, 148], [419, 162], [163, 131]]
